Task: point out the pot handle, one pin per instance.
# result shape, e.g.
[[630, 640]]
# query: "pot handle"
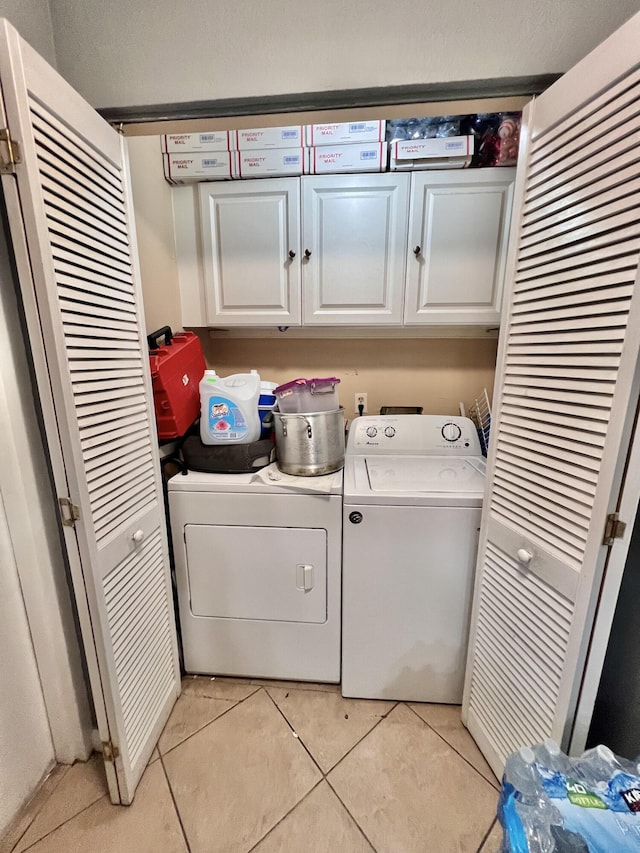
[[296, 418]]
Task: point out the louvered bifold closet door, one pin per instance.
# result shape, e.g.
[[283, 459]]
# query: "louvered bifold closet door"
[[565, 393], [76, 226]]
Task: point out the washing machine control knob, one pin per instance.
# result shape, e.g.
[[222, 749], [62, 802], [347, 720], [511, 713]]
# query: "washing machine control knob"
[[372, 431], [451, 432], [389, 431], [355, 517]]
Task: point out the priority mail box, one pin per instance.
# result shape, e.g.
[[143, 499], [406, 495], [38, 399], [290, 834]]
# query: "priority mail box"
[[215, 140], [270, 162], [200, 166], [259, 138], [449, 152], [345, 132], [368, 157]]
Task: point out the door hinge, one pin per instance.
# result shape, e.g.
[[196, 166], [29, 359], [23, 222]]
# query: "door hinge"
[[109, 751], [613, 529], [69, 512], [10, 153]]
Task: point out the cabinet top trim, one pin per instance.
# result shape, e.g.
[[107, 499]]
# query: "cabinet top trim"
[[384, 101]]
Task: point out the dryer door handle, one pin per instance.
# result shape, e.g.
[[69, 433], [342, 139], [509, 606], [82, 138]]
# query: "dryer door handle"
[[304, 577]]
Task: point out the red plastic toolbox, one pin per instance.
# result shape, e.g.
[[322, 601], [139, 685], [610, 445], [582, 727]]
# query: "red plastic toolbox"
[[176, 370]]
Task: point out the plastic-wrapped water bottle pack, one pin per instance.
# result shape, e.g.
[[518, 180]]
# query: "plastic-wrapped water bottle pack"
[[551, 803]]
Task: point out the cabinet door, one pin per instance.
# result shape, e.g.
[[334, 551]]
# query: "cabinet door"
[[250, 234], [354, 227], [458, 229]]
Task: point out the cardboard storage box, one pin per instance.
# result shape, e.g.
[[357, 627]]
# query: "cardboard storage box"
[[259, 138], [449, 152], [368, 157], [345, 132], [212, 166], [273, 161], [215, 140]]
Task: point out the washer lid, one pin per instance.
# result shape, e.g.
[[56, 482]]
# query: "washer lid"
[[414, 480], [424, 475]]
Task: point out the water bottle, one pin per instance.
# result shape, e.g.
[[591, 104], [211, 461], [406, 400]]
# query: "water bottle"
[[597, 766], [532, 805], [550, 756], [520, 771]]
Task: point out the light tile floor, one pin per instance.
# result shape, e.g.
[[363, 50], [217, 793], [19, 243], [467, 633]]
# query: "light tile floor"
[[277, 767]]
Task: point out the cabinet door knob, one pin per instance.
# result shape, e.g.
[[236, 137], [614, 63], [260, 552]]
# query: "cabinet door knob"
[[307, 253], [416, 251], [292, 254], [138, 536], [524, 556]]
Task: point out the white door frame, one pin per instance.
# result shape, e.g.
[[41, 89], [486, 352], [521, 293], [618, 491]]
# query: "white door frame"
[[33, 527], [627, 508]]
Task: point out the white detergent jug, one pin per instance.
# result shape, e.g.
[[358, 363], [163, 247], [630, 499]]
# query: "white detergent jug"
[[229, 408]]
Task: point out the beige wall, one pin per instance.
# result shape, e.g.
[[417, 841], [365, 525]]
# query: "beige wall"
[[435, 374], [128, 52], [154, 230]]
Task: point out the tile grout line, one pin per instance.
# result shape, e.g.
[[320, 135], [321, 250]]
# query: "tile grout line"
[[175, 804], [65, 822], [37, 813], [297, 736], [451, 746], [344, 805], [348, 752], [232, 702], [346, 808], [486, 835], [373, 728], [160, 757], [333, 767], [285, 816]]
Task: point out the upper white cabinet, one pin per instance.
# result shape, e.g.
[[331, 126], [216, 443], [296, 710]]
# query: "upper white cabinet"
[[421, 248], [458, 231], [250, 241], [354, 232]]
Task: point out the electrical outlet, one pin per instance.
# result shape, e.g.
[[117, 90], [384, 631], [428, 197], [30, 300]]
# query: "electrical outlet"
[[361, 400]]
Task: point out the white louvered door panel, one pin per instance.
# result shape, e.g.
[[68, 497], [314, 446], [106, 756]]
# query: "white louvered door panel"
[[69, 208], [566, 389]]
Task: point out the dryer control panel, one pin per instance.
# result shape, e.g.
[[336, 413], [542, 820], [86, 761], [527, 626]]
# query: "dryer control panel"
[[437, 435]]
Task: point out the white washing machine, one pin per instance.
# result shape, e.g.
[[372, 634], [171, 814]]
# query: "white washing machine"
[[413, 487], [258, 560]]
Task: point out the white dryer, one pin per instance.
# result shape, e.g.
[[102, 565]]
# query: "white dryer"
[[413, 488], [257, 560]]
